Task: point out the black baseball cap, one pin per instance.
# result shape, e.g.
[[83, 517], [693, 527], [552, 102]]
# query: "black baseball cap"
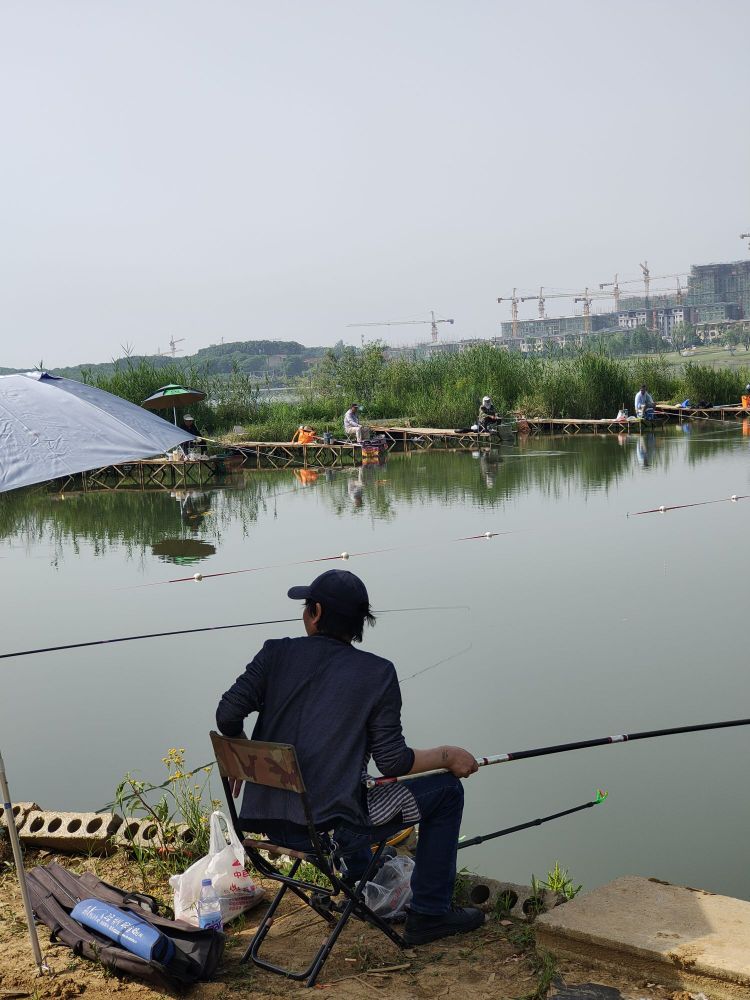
[[336, 589]]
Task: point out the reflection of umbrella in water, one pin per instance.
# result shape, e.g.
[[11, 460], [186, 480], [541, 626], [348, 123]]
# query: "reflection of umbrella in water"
[[183, 550], [171, 396]]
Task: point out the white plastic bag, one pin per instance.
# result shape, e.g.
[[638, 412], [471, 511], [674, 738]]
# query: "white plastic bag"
[[225, 866], [389, 893]]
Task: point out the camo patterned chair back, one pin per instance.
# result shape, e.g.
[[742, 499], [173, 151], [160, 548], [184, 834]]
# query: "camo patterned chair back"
[[273, 765]]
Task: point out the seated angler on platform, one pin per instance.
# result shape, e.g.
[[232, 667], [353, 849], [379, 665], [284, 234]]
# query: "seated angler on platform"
[[644, 403], [488, 419]]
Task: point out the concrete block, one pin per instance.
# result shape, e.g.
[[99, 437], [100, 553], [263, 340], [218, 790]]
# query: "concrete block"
[[75, 833], [129, 833], [20, 811], [516, 900], [679, 937], [135, 833]]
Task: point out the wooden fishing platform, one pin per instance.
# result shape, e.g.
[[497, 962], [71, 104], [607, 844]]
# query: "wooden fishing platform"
[[575, 425], [424, 438], [286, 454], [682, 413], [149, 473]]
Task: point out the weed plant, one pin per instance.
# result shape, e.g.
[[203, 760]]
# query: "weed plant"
[[178, 812], [559, 882]]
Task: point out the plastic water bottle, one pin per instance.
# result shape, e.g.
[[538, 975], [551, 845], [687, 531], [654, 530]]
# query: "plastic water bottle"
[[209, 907]]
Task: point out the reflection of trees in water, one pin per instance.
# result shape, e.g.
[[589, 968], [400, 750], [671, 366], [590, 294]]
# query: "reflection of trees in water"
[[135, 521], [550, 466]]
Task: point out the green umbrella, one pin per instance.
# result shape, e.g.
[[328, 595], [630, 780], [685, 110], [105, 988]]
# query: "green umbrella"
[[171, 396]]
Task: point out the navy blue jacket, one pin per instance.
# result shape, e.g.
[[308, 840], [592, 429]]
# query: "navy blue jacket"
[[336, 705]]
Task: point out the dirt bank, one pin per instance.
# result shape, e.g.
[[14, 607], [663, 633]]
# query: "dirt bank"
[[498, 961]]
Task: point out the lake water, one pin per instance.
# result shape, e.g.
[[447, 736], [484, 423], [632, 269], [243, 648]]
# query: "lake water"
[[576, 621]]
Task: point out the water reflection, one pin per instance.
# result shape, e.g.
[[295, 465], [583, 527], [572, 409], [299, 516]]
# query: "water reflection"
[[183, 551], [194, 506], [556, 628], [644, 449], [159, 523]]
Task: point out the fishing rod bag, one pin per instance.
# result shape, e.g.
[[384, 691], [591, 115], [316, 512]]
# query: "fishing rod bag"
[[55, 892]]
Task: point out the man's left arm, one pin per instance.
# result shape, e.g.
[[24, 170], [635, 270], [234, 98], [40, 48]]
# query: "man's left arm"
[[246, 695]]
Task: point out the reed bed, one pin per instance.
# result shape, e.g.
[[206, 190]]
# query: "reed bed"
[[441, 391]]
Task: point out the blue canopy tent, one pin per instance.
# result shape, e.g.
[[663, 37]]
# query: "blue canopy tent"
[[52, 427]]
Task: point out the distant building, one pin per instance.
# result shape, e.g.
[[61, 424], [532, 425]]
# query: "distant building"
[[429, 348], [631, 319], [720, 285], [717, 295], [535, 335]]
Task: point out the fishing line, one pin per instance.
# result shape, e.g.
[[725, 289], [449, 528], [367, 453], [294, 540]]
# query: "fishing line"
[[207, 628], [446, 659], [601, 796], [198, 577], [700, 503], [504, 758]]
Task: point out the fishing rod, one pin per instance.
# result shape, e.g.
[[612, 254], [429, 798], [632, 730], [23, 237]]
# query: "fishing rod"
[[682, 506], [503, 758], [601, 796], [198, 577], [204, 628]]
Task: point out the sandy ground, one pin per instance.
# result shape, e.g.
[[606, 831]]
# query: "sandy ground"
[[490, 963]]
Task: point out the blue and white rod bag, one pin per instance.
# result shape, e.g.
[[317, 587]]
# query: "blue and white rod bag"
[[126, 929]]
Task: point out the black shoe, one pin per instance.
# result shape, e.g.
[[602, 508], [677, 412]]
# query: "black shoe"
[[421, 927]]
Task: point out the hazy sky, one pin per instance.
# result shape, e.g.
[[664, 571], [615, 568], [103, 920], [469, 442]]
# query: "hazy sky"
[[237, 169]]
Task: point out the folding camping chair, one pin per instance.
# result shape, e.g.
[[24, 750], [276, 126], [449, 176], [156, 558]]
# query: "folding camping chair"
[[275, 765]]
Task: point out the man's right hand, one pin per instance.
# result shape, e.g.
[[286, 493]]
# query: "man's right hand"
[[459, 761], [454, 759]]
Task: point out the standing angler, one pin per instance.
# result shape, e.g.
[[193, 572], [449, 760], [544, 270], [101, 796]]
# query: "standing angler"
[[340, 706]]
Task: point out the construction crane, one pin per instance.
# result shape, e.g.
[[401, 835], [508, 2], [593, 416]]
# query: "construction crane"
[[584, 297], [173, 348], [409, 322], [514, 300], [615, 285], [647, 278]]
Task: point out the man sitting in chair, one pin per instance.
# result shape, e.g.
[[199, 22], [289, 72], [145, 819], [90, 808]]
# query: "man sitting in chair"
[[352, 426], [488, 418], [339, 706]]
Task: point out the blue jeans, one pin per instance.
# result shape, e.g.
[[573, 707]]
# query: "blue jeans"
[[440, 798]]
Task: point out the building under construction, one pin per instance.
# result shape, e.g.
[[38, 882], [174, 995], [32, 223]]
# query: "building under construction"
[[717, 294]]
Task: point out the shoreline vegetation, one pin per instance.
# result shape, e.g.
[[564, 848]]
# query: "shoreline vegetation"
[[441, 391], [182, 803]]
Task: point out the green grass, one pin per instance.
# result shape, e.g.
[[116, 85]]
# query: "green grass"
[[441, 391], [712, 354]]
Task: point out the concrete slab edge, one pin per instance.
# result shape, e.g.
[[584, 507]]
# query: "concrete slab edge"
[[667, 969]]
